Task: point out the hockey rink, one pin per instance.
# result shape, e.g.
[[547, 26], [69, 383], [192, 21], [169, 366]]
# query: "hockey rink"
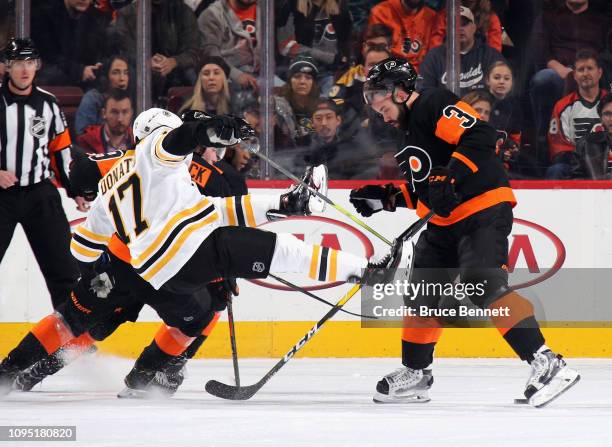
[[321, 402]]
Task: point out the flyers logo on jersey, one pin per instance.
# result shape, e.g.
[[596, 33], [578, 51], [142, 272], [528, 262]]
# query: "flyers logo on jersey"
[[389, 65], [415, 163]]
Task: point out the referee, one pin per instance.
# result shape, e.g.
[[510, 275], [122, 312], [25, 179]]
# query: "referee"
[[34, 146]]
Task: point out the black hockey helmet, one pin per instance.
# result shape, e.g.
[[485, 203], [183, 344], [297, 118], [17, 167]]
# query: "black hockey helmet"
[[20, 49], [388, 74]]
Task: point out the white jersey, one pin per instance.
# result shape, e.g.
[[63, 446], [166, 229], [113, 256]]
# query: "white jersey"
[[150, 201]]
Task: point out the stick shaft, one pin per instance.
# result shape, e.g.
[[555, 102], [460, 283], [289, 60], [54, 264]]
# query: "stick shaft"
[[312, 295], [326, 199], [232, 334]]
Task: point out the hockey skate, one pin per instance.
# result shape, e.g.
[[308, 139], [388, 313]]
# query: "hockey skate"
[[404, 385], [168, 381], [383, 270], [300, 200], [550, 377], [138, 385], [7, 377], [30, 377]]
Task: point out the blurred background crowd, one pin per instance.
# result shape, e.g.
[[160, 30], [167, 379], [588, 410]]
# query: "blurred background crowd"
[[537, 70]]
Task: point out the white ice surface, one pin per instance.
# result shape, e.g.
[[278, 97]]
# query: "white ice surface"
[[319, 402]]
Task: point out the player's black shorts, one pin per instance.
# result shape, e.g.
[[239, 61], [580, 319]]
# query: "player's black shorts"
[[476, 248], [229, 252]]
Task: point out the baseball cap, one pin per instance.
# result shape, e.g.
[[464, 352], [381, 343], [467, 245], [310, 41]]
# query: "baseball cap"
[[326, 104], [467, 13]]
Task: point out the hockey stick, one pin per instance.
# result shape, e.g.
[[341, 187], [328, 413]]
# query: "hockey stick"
[[323, 197], [232, 334], [312, 295], [230, 392]]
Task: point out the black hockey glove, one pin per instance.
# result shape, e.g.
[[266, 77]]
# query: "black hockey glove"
[[221, 292], [442, 196], [219, 131], [371, 199], [97, 276]]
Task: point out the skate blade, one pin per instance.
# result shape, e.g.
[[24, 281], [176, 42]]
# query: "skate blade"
[[421, 398], [130, 393], [560, 383]]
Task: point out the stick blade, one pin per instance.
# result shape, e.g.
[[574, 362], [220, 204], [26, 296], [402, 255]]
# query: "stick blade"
[[230, 392]]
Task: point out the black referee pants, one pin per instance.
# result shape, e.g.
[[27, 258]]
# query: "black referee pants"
[[38, 208]]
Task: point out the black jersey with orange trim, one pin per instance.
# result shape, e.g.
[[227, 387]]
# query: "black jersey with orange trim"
[[441, 130], [208, 178]]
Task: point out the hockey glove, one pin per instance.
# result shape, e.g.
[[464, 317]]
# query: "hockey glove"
[[219, 131], [442, 196], [221, 292], [371, 199]]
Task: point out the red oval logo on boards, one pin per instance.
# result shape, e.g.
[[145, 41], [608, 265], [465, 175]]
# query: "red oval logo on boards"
[[531, 246]]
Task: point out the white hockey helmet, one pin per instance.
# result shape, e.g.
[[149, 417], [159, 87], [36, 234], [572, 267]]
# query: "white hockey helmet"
[[154, 118]]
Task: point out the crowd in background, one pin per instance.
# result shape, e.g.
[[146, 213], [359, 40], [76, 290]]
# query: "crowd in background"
[[537, 70]]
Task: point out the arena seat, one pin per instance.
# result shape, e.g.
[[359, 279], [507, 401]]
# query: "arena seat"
[[177, 96], [69, 98]]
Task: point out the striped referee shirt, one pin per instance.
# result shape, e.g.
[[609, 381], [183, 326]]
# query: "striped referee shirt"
[[34, 139]]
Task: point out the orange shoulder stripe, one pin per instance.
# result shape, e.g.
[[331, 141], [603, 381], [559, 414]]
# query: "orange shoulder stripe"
[[469, 163]]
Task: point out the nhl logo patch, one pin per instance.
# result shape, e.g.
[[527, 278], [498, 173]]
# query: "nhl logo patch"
[[389, 65], [258, 267], [38, 126]]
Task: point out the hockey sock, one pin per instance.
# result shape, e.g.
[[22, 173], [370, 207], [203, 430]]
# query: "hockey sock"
[[419, 338], [46, 337], [171, 340], [518, 326], [52, 332], [248, 211], [319, 263]]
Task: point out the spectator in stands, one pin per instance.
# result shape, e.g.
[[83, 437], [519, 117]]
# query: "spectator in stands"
[[377, 35], [558, 35], [595, 150], [282, 119], [574, 115], [507, 149], [320, 28], [506, 115], [348, 90], [302, 93], [482, 101], [345, 155], [488, 25], [211, 93], [115, 131], [198, 6], [476, 58], [176, 42], [231, 30], [71, 37], [112, 5], [360, 12], [413, 25], [605, 58], [116, 75]]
